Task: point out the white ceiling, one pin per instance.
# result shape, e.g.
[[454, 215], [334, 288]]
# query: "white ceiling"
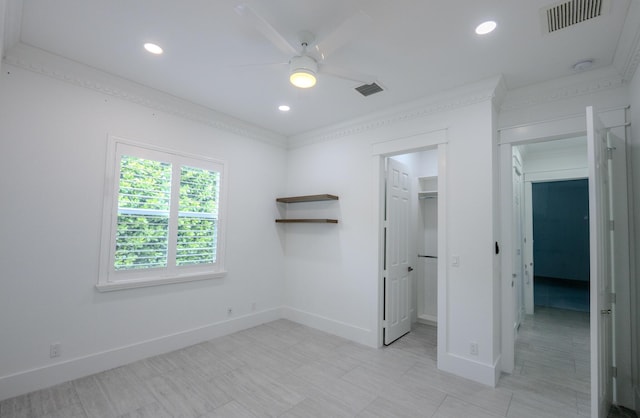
[[414, 48]]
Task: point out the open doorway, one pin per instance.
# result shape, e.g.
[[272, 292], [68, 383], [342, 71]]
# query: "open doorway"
[[435, 142], [557, 339], [410, 232], [555, 242], [560, 240], [551, 229]]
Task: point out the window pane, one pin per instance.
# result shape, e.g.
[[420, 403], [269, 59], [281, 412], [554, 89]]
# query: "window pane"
[[143, 214], [197, 217]]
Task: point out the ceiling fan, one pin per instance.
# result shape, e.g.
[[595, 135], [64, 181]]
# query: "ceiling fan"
[[307, 58]]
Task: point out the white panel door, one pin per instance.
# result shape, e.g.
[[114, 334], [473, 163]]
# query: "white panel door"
[[518, 263], [397, 267], [600, 268], [619, 249]]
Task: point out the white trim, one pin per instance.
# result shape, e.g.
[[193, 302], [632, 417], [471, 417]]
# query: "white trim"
[[110, 279], [481, 91], [428, 319], [487, 374], [411, 143], [322, 323], [133, 284], [443, 255], [46, 376], [563, 88], [559, 128], [556, 175], [508, 335], [12, 23], [39, 61]]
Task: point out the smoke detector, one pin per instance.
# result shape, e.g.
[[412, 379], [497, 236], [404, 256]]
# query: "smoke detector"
[[583, 65]]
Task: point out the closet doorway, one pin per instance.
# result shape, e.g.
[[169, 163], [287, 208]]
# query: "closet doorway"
[[414, 299]]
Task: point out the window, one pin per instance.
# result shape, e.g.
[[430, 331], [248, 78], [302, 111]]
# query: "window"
[[163, 218]]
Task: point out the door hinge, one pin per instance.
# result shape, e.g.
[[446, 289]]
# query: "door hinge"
[[614, 371], [610, 153], [384, 323], [612, 225]]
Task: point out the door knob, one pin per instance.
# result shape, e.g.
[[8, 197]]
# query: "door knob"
[[605, 311], [409, 269]]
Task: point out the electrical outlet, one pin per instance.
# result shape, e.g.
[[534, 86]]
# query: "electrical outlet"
[[54, 350], [473, 349], [229, 311]]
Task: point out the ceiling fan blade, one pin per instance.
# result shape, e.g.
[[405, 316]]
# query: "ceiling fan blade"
[[266, 29], [347, 74], [259, 65], [343, 34]]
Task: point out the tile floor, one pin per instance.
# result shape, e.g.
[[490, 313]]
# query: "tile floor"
[[283, 369]]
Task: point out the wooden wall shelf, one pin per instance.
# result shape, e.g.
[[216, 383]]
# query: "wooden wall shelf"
[[309, 198], [308, 221]]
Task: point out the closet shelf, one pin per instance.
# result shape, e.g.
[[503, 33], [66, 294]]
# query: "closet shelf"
[[427, 194], [309, 198], [307, 221]]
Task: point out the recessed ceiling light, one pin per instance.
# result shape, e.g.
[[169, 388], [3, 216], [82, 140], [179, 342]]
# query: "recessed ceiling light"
[[486, 27], [153, 48], [284, 108]]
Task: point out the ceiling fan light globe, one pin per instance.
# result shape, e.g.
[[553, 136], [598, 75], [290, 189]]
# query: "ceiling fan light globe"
[[303, 78]]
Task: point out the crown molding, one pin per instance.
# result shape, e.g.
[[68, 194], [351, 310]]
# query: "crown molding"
[[563, 88], [11, 23], [467, 95], [45, 63], [627, 56]]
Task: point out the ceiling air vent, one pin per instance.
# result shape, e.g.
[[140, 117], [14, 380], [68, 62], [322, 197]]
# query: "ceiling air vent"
[[369, 89], [572, 12]]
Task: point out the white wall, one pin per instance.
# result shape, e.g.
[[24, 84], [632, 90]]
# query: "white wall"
[[332, 271], [53, 138], [634, 145], [545, 157]]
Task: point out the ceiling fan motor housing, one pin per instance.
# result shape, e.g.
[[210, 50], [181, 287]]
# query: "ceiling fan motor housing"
[[303, 71], [303, 62]]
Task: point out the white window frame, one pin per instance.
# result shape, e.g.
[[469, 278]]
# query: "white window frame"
[[111, 279]]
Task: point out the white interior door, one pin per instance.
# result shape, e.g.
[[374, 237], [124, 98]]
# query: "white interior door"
[[600, 268], [397, 320], [621, 306], [517, 284], [528, 248]]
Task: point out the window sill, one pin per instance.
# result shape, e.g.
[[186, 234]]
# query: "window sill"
[[133, 284]]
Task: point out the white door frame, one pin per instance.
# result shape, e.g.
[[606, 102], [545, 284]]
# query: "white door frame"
[[561, 128], [421, 142]]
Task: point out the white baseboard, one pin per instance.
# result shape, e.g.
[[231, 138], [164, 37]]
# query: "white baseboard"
[[428, 319], [43, 377], [486, 374], [341, 329]]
